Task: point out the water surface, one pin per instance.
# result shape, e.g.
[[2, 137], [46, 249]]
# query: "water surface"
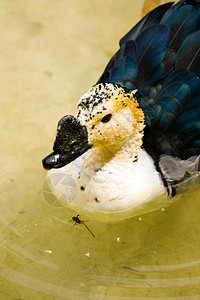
[[50, 54]]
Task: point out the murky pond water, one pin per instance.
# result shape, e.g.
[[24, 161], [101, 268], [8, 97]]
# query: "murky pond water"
[[50, 53]]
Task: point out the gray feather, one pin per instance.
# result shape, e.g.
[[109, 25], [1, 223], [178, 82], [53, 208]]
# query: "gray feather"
[[176, 170]]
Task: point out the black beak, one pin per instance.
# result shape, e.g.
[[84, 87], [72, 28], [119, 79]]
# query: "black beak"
[[71, 142]]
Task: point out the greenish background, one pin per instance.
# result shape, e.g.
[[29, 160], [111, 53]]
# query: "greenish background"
[[51, 52]]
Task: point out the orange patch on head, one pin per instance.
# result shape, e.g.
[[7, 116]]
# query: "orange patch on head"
[[126, 100]]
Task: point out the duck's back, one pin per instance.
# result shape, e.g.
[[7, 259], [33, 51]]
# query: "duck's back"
[[160, 57]]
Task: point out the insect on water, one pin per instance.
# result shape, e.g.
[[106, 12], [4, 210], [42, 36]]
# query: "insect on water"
[[78, 221]]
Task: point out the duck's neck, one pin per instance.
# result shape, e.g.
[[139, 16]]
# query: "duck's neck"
[[124, 152]]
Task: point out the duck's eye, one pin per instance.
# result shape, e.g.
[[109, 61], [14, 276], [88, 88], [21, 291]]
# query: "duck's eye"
[[106, 118]]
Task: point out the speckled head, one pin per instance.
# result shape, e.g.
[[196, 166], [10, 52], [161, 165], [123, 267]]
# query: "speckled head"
[[107, 116], [110, 113]]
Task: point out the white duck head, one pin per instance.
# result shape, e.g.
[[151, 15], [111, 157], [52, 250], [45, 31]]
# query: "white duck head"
[[111, 115], [100, 150]]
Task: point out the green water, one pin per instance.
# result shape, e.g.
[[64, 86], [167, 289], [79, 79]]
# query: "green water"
[[50, 53]]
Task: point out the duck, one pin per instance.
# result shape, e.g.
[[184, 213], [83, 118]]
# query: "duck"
[[133, 145]]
